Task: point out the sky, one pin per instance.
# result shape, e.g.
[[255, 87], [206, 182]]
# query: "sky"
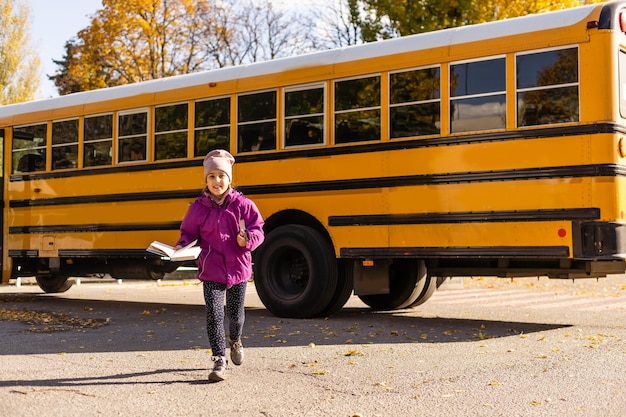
[[53, 23]]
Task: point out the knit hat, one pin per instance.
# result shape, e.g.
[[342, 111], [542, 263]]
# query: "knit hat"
[[219, 159]]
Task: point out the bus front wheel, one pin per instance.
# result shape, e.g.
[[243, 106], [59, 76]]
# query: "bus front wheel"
[[345, 286], [295, 272], [53, 282]]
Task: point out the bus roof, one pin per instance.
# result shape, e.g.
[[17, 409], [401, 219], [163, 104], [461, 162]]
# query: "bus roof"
[[447, 37]]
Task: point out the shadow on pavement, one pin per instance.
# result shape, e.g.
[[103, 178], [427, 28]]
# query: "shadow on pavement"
[[44, 324]]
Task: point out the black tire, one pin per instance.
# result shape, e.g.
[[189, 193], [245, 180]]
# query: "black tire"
[[345, 286], [407, 280], [295, 272], [429, 286], [54, 283]]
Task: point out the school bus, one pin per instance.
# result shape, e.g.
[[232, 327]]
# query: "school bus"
[[381, 169]]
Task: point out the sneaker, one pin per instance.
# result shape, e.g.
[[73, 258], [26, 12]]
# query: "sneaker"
[[219, 368], [236, 351]]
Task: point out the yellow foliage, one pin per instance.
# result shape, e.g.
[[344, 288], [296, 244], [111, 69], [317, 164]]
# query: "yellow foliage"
[[137, 40], [408, 17], [19, 72]]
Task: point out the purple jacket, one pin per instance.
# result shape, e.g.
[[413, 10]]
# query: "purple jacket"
[[222, 260]]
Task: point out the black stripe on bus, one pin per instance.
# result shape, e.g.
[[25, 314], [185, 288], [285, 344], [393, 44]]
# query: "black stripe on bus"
[[107, 198], [391, 145], [72, 228], [357, 220], [466, 217], [85, 253], [457, 252], [355, 253], [105, 253], [576, 171]]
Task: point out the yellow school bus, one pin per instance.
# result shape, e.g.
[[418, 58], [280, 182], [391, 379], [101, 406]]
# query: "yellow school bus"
[[381, 169]]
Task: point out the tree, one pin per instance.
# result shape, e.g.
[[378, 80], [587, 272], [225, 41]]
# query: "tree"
[[129, 41], [136, 40], [20, 65], [259, 31], [68, 78], [382, 19], [341, 24]]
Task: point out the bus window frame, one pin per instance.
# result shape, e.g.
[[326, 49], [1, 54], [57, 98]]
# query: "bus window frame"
[[438, 100], [76, 143], [549, 87], [218, 127], [44, 147], [110, 139], [621, 80], [241, 143], [157, 133], [119, 138], [473, 96], [355, 110], [290, 119]]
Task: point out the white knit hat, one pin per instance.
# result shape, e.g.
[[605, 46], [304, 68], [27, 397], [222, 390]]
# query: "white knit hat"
[[219, 159]]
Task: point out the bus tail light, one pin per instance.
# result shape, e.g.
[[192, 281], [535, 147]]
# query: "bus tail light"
[[622, 21]]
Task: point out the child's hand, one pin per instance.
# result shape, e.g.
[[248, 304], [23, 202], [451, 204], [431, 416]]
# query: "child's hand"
[[242, 239], [177, 247]]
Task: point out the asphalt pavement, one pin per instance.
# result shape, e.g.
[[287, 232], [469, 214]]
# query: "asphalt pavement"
[[479, 347]]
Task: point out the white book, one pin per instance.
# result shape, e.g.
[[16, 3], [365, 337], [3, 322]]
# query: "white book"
[[186, 253]]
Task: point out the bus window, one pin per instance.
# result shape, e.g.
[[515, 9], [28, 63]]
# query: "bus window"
[[65, 144], [132, 136], [415, 103], [357, 110], [622, 83], [29, 148], [98, 138], [170, 131], [211, 125], [547, 87], [478, 95], [256, 122], [304, 116]]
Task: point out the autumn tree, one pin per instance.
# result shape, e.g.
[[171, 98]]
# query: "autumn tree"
[[129, 41], [19, 64], [383, 19]]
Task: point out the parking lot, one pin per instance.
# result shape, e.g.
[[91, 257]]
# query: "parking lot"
[[481, 347]]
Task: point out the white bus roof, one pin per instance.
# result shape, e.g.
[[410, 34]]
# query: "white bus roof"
[[447, 37]]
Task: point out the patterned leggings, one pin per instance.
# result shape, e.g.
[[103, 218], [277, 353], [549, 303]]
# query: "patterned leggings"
[[214, 302]]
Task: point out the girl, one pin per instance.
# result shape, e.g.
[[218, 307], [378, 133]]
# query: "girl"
[[228, 227]]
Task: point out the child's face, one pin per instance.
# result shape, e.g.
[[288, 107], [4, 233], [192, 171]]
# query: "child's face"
[[217, 182]]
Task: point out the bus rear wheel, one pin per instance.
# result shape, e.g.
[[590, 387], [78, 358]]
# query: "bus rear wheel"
[[295, 272], [53, 282], [409, 286]]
